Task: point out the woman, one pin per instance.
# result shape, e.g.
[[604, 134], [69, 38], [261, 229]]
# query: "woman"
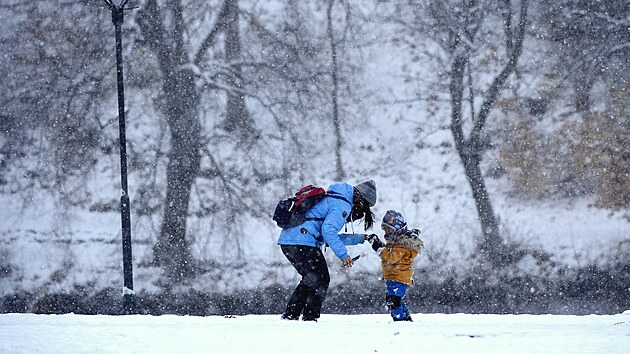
[[302, 244]]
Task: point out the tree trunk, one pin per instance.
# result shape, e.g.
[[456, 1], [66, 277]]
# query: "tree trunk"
[[180, 101], [491, 243], [340, 173], [237, 119], [172, 249]]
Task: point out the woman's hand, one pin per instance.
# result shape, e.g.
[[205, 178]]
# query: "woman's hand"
[[347, 262]]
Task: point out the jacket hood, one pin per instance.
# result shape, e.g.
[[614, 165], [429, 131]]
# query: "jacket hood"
[[410, 240], [344, 189]]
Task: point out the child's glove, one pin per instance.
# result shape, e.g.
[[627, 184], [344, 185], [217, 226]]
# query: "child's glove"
[[414, 234], [375, 241]]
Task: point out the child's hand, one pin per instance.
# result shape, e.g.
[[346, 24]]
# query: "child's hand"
[[376, 243]]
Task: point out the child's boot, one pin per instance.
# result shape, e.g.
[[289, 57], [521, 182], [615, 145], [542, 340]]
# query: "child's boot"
[[397, 309]]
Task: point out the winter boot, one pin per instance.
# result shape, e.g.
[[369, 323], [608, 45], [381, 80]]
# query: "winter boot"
[[405, 316], [289, 317]]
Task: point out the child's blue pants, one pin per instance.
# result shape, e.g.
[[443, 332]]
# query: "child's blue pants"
[[397, 289]]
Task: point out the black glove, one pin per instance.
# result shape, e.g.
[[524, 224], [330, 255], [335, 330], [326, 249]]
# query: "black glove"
[[376, 243], [414, 234], [369, 238]]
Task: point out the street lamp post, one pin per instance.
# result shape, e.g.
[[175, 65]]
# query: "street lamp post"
[[129, 301]]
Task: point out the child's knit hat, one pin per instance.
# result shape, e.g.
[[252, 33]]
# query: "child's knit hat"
[[395, 221]]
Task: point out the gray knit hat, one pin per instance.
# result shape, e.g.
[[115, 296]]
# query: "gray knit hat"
[[368, 191]]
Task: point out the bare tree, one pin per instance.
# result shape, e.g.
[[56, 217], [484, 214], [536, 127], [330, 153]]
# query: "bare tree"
[[470, 147], [458, 27]]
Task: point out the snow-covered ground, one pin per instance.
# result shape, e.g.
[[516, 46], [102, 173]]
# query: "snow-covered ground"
[[429, 333]]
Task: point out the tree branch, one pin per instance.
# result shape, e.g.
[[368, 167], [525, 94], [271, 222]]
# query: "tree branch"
[[498, 81], [211, 37], [152, 27]]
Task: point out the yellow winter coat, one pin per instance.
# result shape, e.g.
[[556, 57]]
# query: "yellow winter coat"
[[397, 258]]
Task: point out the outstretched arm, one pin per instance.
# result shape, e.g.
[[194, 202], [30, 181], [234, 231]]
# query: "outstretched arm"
[[352, 239]]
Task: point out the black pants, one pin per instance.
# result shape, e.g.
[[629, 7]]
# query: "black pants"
[[309, 295]]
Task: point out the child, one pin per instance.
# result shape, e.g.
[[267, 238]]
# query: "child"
[[402, 247]]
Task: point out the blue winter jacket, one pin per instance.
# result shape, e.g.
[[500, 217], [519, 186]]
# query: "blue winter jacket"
[[316, 233]]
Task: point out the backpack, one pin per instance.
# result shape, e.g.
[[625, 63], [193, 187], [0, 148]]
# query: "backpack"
[[291, 212]]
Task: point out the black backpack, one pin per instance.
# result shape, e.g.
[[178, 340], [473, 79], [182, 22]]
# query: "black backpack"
[[291, 212]]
